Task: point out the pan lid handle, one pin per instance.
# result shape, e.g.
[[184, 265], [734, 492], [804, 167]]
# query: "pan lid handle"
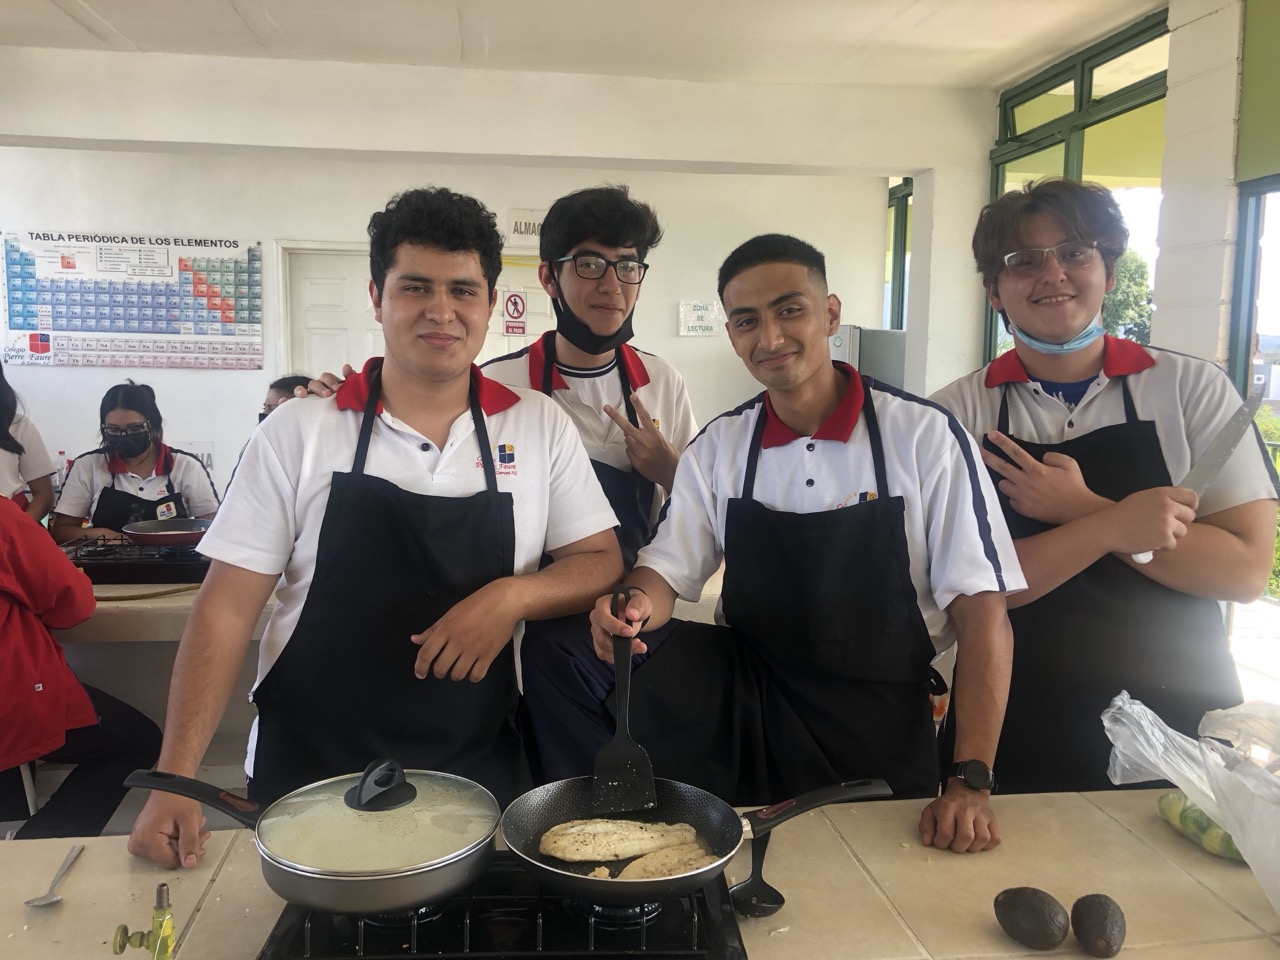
[[382, 786]]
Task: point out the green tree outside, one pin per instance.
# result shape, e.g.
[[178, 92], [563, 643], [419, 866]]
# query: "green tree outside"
[[1126, 311]]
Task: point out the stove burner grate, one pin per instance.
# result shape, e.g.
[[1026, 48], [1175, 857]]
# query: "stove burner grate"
[[507, 914], [108, 560]]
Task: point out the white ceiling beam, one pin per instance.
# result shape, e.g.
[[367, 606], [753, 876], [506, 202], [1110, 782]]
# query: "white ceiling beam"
[[83, 14], [257, 18]]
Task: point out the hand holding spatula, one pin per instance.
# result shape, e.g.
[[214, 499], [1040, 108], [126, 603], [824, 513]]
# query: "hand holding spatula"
[[623, 774]]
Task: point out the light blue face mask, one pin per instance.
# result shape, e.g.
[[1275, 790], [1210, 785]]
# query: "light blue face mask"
[[1081, 340]]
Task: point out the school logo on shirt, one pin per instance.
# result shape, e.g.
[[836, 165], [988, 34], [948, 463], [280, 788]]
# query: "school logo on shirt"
[[866, 496], [506, 460], [166, 511]]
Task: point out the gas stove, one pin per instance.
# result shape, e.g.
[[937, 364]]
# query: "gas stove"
[[106, 560], [507, 914]]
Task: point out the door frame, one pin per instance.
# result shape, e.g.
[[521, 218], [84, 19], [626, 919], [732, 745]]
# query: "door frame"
[[283, 250]]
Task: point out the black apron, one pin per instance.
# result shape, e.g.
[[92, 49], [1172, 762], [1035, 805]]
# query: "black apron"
[[390, 563], [629, 493], [1109, 628], [116, 508], [824, 675]]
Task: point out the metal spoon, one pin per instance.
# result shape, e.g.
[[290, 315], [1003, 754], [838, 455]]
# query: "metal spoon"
[[51, 897]]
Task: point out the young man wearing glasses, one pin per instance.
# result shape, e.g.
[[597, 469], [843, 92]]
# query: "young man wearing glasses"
[[1085, 435], [631, 410]]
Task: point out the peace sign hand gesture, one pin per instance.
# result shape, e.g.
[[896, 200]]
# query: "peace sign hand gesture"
[[650, 453]]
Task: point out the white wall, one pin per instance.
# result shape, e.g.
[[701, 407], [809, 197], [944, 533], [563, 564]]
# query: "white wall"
[[305, 151], [280, 198]]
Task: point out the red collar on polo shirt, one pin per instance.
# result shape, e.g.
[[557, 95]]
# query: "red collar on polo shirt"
[[637, 375], [839, 426], [353, 394], [1120, 358], [164, 461]]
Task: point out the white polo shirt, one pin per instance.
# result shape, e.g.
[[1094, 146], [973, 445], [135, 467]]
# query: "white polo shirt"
[[19, 469], [1188, 398], [956, 536], [270, 522], [583, 393], [94, 471]]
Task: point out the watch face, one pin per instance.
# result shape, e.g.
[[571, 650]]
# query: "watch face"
[[976, 775]]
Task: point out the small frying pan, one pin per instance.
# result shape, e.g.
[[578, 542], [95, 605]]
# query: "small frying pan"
[[179, 532], [719, 827]]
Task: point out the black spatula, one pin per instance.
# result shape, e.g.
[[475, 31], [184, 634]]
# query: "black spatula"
[[623, 773]]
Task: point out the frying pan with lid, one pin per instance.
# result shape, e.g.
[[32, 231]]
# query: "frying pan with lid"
[[383, 841]]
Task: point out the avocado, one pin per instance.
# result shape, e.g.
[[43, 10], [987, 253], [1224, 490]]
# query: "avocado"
[[1032, 917], [1099, 925]]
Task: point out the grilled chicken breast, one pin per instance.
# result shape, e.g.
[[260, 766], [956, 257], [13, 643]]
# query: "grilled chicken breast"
[[668, 862], [598, 839]]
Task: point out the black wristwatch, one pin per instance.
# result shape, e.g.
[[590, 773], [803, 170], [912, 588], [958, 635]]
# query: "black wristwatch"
[[974, 774]]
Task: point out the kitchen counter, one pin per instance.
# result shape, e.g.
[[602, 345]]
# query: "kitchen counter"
[[858, 885], [142, 612], [127, 648]]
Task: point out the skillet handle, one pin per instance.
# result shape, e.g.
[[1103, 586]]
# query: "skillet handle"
[[236, 807], [766, 818]]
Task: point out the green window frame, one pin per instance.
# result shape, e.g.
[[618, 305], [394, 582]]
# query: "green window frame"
[[1068, 129], [1245, 280], [900, 204]]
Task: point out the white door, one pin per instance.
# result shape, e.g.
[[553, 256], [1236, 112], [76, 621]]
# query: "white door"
[[331, 316], [518, 275], [330, 313]]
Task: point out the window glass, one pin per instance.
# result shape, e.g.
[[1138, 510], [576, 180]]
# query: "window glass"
[[1124, 154], [1128, 68], [1265, 338], [1043, 163], [1050, 105]]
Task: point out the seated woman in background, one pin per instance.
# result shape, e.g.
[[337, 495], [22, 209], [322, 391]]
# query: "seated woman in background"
[[24, 461], [45, 712], [134, 476]]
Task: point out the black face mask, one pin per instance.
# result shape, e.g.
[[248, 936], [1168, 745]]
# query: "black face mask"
[[262, 415], [581, 335], [130, 445]]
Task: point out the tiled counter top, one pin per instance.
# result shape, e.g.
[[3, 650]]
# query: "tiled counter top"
[[858, 885]]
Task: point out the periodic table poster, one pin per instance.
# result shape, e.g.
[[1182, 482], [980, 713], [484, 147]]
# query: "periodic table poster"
[[116, 300]]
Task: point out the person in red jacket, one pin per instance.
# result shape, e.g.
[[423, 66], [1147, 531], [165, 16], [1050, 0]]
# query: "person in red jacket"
[[45, 712]]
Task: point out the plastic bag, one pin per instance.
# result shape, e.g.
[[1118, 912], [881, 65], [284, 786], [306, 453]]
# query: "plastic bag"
[[1235, 785]]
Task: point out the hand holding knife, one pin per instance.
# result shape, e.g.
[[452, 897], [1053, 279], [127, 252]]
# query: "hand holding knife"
[[1207, 467]]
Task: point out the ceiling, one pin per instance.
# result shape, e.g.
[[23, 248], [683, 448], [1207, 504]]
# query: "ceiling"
[[985, 44]]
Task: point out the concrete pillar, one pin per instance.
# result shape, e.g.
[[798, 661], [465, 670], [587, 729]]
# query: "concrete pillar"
[[1198, 215], [944, 297]]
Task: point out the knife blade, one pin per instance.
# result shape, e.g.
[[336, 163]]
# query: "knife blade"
[[1215, 456]]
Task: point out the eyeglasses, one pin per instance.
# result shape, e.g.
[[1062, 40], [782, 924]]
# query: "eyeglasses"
[[132, 430], [1071, 255], [591, 267]]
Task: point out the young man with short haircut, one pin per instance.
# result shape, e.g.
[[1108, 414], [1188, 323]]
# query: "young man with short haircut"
[[401, 525], [860, 537]]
